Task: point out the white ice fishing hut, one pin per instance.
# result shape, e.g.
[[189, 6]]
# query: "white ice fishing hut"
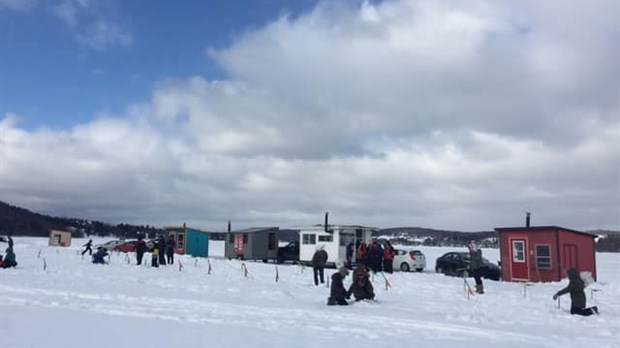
[[334, 240]]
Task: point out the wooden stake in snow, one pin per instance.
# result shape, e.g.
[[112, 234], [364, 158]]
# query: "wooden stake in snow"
[[39, 255], [245, 270], [196, 262], [277, 274], [387, 283], [210, 269], [180, 266], [44, 264]]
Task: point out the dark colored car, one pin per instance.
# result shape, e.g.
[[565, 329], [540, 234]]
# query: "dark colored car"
[[289, 252], [455, 263]]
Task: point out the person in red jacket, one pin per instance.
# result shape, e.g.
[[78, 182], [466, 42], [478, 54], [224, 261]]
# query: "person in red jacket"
[[388, 257]]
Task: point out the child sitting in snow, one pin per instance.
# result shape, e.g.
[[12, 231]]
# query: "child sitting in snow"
[[577, 295], [98, 257]]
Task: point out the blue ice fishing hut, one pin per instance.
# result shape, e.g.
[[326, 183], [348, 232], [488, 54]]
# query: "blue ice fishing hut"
[[189, 241]]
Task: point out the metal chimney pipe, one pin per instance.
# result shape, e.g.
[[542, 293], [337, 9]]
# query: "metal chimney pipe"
[[527, 219], [228, 226], [326, 221]]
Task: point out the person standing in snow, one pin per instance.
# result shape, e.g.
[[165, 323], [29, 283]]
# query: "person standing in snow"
[[577, 295], [140, 249], [361, 288], [349, 254], [155, 255], [161, 246], [319, 259], [170, 249], [9, 258], [388, 257], [337, 292], [89, 247], [476, 265]]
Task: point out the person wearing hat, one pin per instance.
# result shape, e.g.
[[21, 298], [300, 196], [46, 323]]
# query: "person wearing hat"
[[361, 288], [319, 260], [98, 257], [476, 265], [337, 291]]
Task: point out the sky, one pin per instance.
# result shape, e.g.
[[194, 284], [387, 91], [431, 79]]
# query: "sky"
[[459, 115]]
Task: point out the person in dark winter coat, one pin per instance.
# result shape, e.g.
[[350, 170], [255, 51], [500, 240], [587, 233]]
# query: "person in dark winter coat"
[[98, 257], [374, 256], [170, 249], [161, 245], [140, 249], [9, 258], [577, 295], [476, 265], [361, 288], [88, 247], [319, 259], [337, 291], [388, 257], [349, 254]]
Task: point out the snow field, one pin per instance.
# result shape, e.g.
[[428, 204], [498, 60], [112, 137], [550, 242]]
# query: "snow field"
[[74, 303]]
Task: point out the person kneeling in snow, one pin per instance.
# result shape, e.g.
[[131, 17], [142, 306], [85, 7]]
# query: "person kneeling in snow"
[[577, 295], [338, 293], [361, 287], [9, 258], [99, 255]]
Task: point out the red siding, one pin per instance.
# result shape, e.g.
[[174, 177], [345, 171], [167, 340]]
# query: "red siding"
[[567, 248]]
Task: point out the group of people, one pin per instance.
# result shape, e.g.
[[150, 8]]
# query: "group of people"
[[161, 253], [361, 288], [9, 259], [374, 256]]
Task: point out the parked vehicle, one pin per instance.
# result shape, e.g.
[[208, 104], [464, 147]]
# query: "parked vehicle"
[[456, 263], [289, 252], [409, 260], [109, 245], [127, 247]]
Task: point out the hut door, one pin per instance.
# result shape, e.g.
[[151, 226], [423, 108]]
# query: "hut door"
[[570, 256], [518, 265]]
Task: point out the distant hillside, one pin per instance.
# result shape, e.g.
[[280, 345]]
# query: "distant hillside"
[[21, 222], [431, 237]]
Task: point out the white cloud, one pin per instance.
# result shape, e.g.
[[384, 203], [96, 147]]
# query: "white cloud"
[[458, 115], [102, 35], [91, 23]]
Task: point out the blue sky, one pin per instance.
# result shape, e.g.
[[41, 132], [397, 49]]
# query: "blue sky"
[[52, 79], [435, 113]]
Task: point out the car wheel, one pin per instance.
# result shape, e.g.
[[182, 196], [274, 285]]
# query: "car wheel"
[[404, 267]]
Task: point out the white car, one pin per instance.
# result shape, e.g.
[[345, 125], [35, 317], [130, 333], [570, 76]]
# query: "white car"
[[109, 245], [409, 260]]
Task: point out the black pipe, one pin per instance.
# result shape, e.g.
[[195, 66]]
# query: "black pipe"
[[326, 220], [527, 220], [228, 226]]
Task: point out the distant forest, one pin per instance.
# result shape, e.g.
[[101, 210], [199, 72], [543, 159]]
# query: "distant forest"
[[17, 221]]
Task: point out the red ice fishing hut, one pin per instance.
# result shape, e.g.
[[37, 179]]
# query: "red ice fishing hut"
[[543, 253]]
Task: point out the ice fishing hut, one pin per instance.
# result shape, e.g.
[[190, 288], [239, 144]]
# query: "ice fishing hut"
[[334, 239], [543, 253], [257, 243], [189, 241], [60, 238]]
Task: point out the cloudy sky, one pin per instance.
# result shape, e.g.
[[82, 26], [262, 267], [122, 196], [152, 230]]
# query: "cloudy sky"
[[444, 114]]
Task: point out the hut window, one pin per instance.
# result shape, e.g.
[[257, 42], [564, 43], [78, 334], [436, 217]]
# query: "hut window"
[[308, 239], [329, 238], [180, 240], [543, 256], [272, 241], [518, 251]]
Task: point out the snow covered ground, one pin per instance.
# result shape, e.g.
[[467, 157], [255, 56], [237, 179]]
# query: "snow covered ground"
[[74, 303]]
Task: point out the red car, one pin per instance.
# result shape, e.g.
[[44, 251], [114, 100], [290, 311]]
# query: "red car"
[[127, 247]]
